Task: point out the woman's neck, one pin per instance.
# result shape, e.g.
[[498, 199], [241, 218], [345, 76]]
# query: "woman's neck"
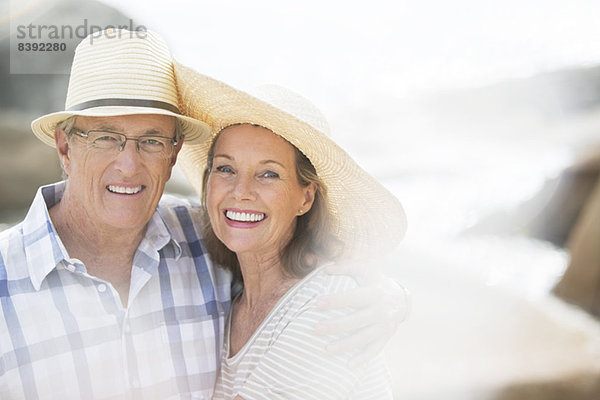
[[265, 281]]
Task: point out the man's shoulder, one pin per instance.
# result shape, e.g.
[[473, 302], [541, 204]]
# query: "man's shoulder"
[[180, 212], [172, 204], [10, 233], [170, 201], [12, 251]]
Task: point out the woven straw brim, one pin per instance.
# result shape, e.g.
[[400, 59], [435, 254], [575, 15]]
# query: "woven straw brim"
[[43, 127], [121, 73], [368, 218]]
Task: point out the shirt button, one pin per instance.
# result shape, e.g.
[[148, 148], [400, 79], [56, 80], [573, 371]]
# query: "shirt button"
[[135, 383], [101, 288], [127, 329]]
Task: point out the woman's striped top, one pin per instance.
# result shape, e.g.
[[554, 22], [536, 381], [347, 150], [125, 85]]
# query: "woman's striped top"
[[286, 359]]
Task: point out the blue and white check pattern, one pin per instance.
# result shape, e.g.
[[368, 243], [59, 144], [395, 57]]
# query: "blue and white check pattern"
[[65, 335]]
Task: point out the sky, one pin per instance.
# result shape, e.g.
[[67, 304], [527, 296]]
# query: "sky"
[[394, 46]]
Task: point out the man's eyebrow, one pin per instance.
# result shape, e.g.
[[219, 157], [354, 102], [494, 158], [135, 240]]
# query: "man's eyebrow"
[[223, 156], [154, 132], [112, 128]]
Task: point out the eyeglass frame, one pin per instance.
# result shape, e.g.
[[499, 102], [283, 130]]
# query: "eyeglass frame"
[[121, 147]]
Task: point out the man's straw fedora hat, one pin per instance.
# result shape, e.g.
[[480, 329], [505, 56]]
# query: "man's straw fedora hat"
[[119, 72], [368, 218]]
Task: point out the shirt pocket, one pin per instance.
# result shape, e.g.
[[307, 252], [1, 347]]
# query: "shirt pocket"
[[195, 347]]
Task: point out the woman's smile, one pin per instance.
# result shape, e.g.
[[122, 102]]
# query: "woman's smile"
[[243, 219]]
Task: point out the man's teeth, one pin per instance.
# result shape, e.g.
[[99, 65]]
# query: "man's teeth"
[[244, 216], [124, 190]]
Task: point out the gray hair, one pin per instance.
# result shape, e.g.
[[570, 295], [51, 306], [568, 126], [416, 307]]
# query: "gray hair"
[[67, 125], [178, 130]]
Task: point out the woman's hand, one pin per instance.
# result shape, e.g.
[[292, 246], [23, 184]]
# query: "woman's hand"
[[381, 305]]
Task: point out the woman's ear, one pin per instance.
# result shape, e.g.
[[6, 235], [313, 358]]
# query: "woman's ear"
[[61, 139], [309, 198]]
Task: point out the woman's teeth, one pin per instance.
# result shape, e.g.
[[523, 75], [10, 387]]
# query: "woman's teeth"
[[244, 216]]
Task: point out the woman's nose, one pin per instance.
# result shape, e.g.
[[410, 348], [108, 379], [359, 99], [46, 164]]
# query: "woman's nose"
[[244, 187]]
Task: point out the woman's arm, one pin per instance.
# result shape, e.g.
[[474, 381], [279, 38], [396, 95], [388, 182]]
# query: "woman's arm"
[[380, 305]]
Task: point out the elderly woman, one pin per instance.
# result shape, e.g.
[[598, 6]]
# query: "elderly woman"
[[283, 201]]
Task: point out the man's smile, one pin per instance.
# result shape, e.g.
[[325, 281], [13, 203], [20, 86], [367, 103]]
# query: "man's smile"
[[125, 189]]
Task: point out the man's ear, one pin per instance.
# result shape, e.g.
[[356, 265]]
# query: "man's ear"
[[61, 140], [177, 150], [174, 157]]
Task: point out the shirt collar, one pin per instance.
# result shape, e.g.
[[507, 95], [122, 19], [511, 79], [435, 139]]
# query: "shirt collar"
[[43, 248], [157, 237], [163, 224]]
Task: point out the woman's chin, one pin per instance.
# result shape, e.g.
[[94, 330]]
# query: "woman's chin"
[[241, 246]]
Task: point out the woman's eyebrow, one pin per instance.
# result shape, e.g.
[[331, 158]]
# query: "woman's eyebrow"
[[227, 156], [272, 162]]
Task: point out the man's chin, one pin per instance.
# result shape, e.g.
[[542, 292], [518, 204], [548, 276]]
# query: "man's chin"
[[125, 221]]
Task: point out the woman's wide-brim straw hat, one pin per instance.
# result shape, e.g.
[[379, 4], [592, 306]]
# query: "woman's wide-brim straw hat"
[[368, 218], [119, 72]]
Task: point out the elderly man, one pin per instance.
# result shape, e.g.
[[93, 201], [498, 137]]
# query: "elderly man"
[[106, 292]]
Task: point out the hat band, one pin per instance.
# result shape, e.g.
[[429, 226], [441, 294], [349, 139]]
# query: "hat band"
[[124, 103]]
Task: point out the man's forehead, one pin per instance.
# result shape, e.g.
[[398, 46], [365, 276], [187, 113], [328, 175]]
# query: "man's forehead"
[[135, 123]]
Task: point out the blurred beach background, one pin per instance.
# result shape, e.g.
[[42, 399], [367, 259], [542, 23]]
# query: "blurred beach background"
[[471, 112]]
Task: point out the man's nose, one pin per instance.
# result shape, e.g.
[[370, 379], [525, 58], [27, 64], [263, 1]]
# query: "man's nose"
[[128, 158], [136, 144]]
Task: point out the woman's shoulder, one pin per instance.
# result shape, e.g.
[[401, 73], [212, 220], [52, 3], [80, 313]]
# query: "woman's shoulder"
[[317, 284], [321, 282]]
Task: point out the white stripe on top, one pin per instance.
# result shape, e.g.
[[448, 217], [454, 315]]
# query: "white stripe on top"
[[286, 359]]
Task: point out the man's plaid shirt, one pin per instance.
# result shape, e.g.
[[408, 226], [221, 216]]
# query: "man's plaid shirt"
[[65, 335]]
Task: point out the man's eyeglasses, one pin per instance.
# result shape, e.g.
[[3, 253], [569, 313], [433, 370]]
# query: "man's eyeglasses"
[[152, 145]]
